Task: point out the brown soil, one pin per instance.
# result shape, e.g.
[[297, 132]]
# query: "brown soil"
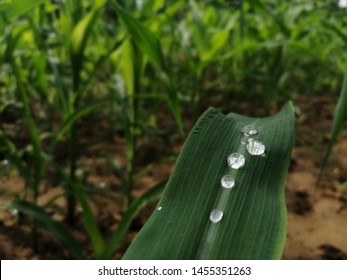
[[317, 216]]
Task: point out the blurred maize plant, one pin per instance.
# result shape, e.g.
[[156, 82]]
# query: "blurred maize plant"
[[65, 69]]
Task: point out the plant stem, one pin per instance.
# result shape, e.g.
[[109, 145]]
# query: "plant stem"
[[71, 200], [34, 181]]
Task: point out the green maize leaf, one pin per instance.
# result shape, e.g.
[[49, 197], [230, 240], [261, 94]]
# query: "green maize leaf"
[[218, 41], [199, 30], [149, 44], [90, 223], [254, 221], [268, 12], [10, 150], [143, 37], [3, 6], [339, 116], [126, 65], [18, 7], [150, 7], [41, 75], [75, 10], [338, 31], [173, 97], [75, 116], [79, 38], [78, 43], [38, 162], [134, 208], [57, 229]]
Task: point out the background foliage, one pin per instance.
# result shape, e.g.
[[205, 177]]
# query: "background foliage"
[[110, 66]]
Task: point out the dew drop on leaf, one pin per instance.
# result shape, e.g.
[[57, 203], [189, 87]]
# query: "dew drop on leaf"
[[227, 181], [255, 147], [249, 130], [216, 215], [236, 160], [14, 212], [159, 208]]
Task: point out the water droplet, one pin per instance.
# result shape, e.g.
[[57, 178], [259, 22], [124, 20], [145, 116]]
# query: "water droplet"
[[227, 181], [216, 215], [243, 141], [255, 147], [159, 208], [236, 160], [249, 130], [14, 212]]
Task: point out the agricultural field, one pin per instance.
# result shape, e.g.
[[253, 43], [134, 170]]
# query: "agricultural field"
[[107, 131]]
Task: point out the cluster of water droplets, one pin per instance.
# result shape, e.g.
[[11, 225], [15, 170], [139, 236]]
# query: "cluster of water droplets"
[[236, 161], [254, 147]]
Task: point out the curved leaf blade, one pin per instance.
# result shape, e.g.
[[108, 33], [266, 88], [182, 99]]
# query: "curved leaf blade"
[[339, 116], [79, 38], [143, 37], [118, 236], [74, 117], [254, 221], [57, 229], [90, 223], [19, 7], [150, 45]]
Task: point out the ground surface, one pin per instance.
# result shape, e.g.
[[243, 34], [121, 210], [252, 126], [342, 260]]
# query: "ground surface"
[[317, 217]]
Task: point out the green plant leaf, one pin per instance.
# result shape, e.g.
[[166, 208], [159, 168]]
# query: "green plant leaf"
[[134, 208], [218, 40], [90, 223], [79, 38], [254, 221], [18, 7], [199, 30], [143, 37], [75, 10], [339, 32], [10, 150], [339, 115], [57, 229], [149, 44], [75, 116], [268, 12]]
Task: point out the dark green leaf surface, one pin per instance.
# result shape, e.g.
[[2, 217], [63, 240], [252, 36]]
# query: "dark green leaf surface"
[[254, 221]]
